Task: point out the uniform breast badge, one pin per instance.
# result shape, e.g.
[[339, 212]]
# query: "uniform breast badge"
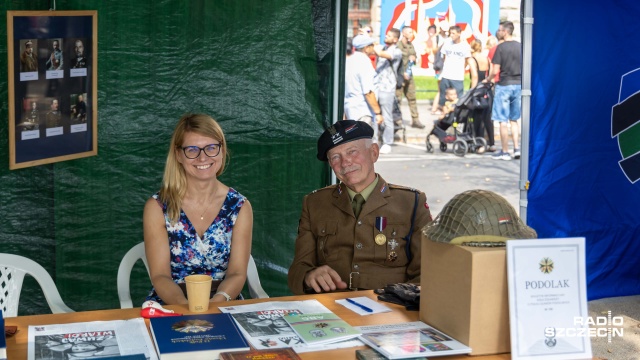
[[381, 224], [393, 244], [393, 256]]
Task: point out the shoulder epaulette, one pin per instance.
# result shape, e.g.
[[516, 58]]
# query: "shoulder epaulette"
[[401, 187], [330, 187]]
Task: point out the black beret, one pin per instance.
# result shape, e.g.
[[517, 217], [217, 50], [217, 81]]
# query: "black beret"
[[342, 132]]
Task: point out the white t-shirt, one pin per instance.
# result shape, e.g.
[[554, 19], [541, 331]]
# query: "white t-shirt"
[[455, 59], [358, 81]]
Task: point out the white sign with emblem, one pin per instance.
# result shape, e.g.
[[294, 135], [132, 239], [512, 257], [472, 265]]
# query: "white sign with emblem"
[[547, 293]]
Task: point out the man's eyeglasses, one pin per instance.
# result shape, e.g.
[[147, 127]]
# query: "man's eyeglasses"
[[192, 152]]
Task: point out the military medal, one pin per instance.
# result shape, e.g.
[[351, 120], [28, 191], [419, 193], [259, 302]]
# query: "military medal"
[[381, 224], [381, 239], [393, 256], [393, 244]]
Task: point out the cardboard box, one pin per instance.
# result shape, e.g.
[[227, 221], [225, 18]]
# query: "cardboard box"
[[464, 294]]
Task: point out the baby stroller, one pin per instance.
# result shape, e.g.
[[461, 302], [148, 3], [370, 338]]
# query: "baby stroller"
[[472, 102]]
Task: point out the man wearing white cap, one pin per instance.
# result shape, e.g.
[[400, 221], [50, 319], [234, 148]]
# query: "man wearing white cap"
[[360, 101]]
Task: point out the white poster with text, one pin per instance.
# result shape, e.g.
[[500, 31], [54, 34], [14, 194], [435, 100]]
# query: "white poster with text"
[[548, 299]]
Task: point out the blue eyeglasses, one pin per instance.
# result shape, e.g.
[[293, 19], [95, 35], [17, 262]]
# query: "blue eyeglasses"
[[192, 152]]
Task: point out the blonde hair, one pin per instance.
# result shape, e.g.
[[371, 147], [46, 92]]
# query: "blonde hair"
[[476, 45], [491, 41], [174, 180]]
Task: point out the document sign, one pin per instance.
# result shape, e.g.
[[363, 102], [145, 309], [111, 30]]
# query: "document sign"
[[548, 299]]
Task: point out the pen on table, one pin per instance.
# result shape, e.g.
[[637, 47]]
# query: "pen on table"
[[359, 305]]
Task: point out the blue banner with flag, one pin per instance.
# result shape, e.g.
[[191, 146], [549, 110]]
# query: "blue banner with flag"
[[585, 136]]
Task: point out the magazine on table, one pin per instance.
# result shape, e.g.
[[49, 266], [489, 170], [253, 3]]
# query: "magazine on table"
[[410, 340], [322, 328], [90, 340], [263, 326]]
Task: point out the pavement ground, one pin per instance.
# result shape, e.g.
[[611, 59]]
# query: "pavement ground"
[[442, 175]]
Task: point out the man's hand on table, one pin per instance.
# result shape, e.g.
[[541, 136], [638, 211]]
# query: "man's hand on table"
[[324, 279]]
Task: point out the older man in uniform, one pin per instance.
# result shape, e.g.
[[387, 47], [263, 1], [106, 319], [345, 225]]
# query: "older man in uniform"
[[28, 61], [80, 61], [55, 61], [362, 233], [54, 116]]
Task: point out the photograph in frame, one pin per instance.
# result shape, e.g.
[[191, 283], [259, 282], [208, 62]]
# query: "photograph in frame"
[[52, 59]]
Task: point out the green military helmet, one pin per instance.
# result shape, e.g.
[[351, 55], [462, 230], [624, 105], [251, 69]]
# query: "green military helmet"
[[480, 216]]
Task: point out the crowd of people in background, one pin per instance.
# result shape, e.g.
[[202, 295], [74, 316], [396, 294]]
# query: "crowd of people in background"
[[373, 93]]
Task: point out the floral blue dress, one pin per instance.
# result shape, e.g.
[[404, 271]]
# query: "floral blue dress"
[[192, 255]]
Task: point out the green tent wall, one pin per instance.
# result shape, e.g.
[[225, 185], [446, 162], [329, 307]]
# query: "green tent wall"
[[261, 68]]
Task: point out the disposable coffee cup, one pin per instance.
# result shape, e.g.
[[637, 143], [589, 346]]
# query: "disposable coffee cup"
[[198, 291]]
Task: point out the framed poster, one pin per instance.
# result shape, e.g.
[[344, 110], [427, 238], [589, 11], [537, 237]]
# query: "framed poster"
[[53, 100]]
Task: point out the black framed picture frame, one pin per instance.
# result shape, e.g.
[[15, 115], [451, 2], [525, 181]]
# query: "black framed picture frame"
[[53, 101]]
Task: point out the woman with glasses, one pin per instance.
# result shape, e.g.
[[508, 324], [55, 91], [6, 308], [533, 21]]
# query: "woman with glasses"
[[194, 221]]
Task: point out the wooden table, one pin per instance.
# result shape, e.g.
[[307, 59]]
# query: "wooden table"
[[17, 344]]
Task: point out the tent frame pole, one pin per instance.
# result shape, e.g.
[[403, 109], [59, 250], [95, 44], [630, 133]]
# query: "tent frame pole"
[[527, 35], [339, 56]]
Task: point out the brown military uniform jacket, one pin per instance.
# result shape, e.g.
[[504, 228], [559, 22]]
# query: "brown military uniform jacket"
[[28, 62], [407, 50], [329, 234]]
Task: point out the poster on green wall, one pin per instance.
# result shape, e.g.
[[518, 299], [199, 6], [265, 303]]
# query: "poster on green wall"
[[53, 107]]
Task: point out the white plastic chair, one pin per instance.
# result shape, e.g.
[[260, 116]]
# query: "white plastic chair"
[[137, 253], [13, 268], [124, 273], [253, 281]]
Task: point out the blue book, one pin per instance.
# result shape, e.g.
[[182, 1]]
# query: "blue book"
[[196, 337], [3, 340]]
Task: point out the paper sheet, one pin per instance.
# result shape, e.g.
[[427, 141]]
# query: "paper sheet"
[[363, 300]]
